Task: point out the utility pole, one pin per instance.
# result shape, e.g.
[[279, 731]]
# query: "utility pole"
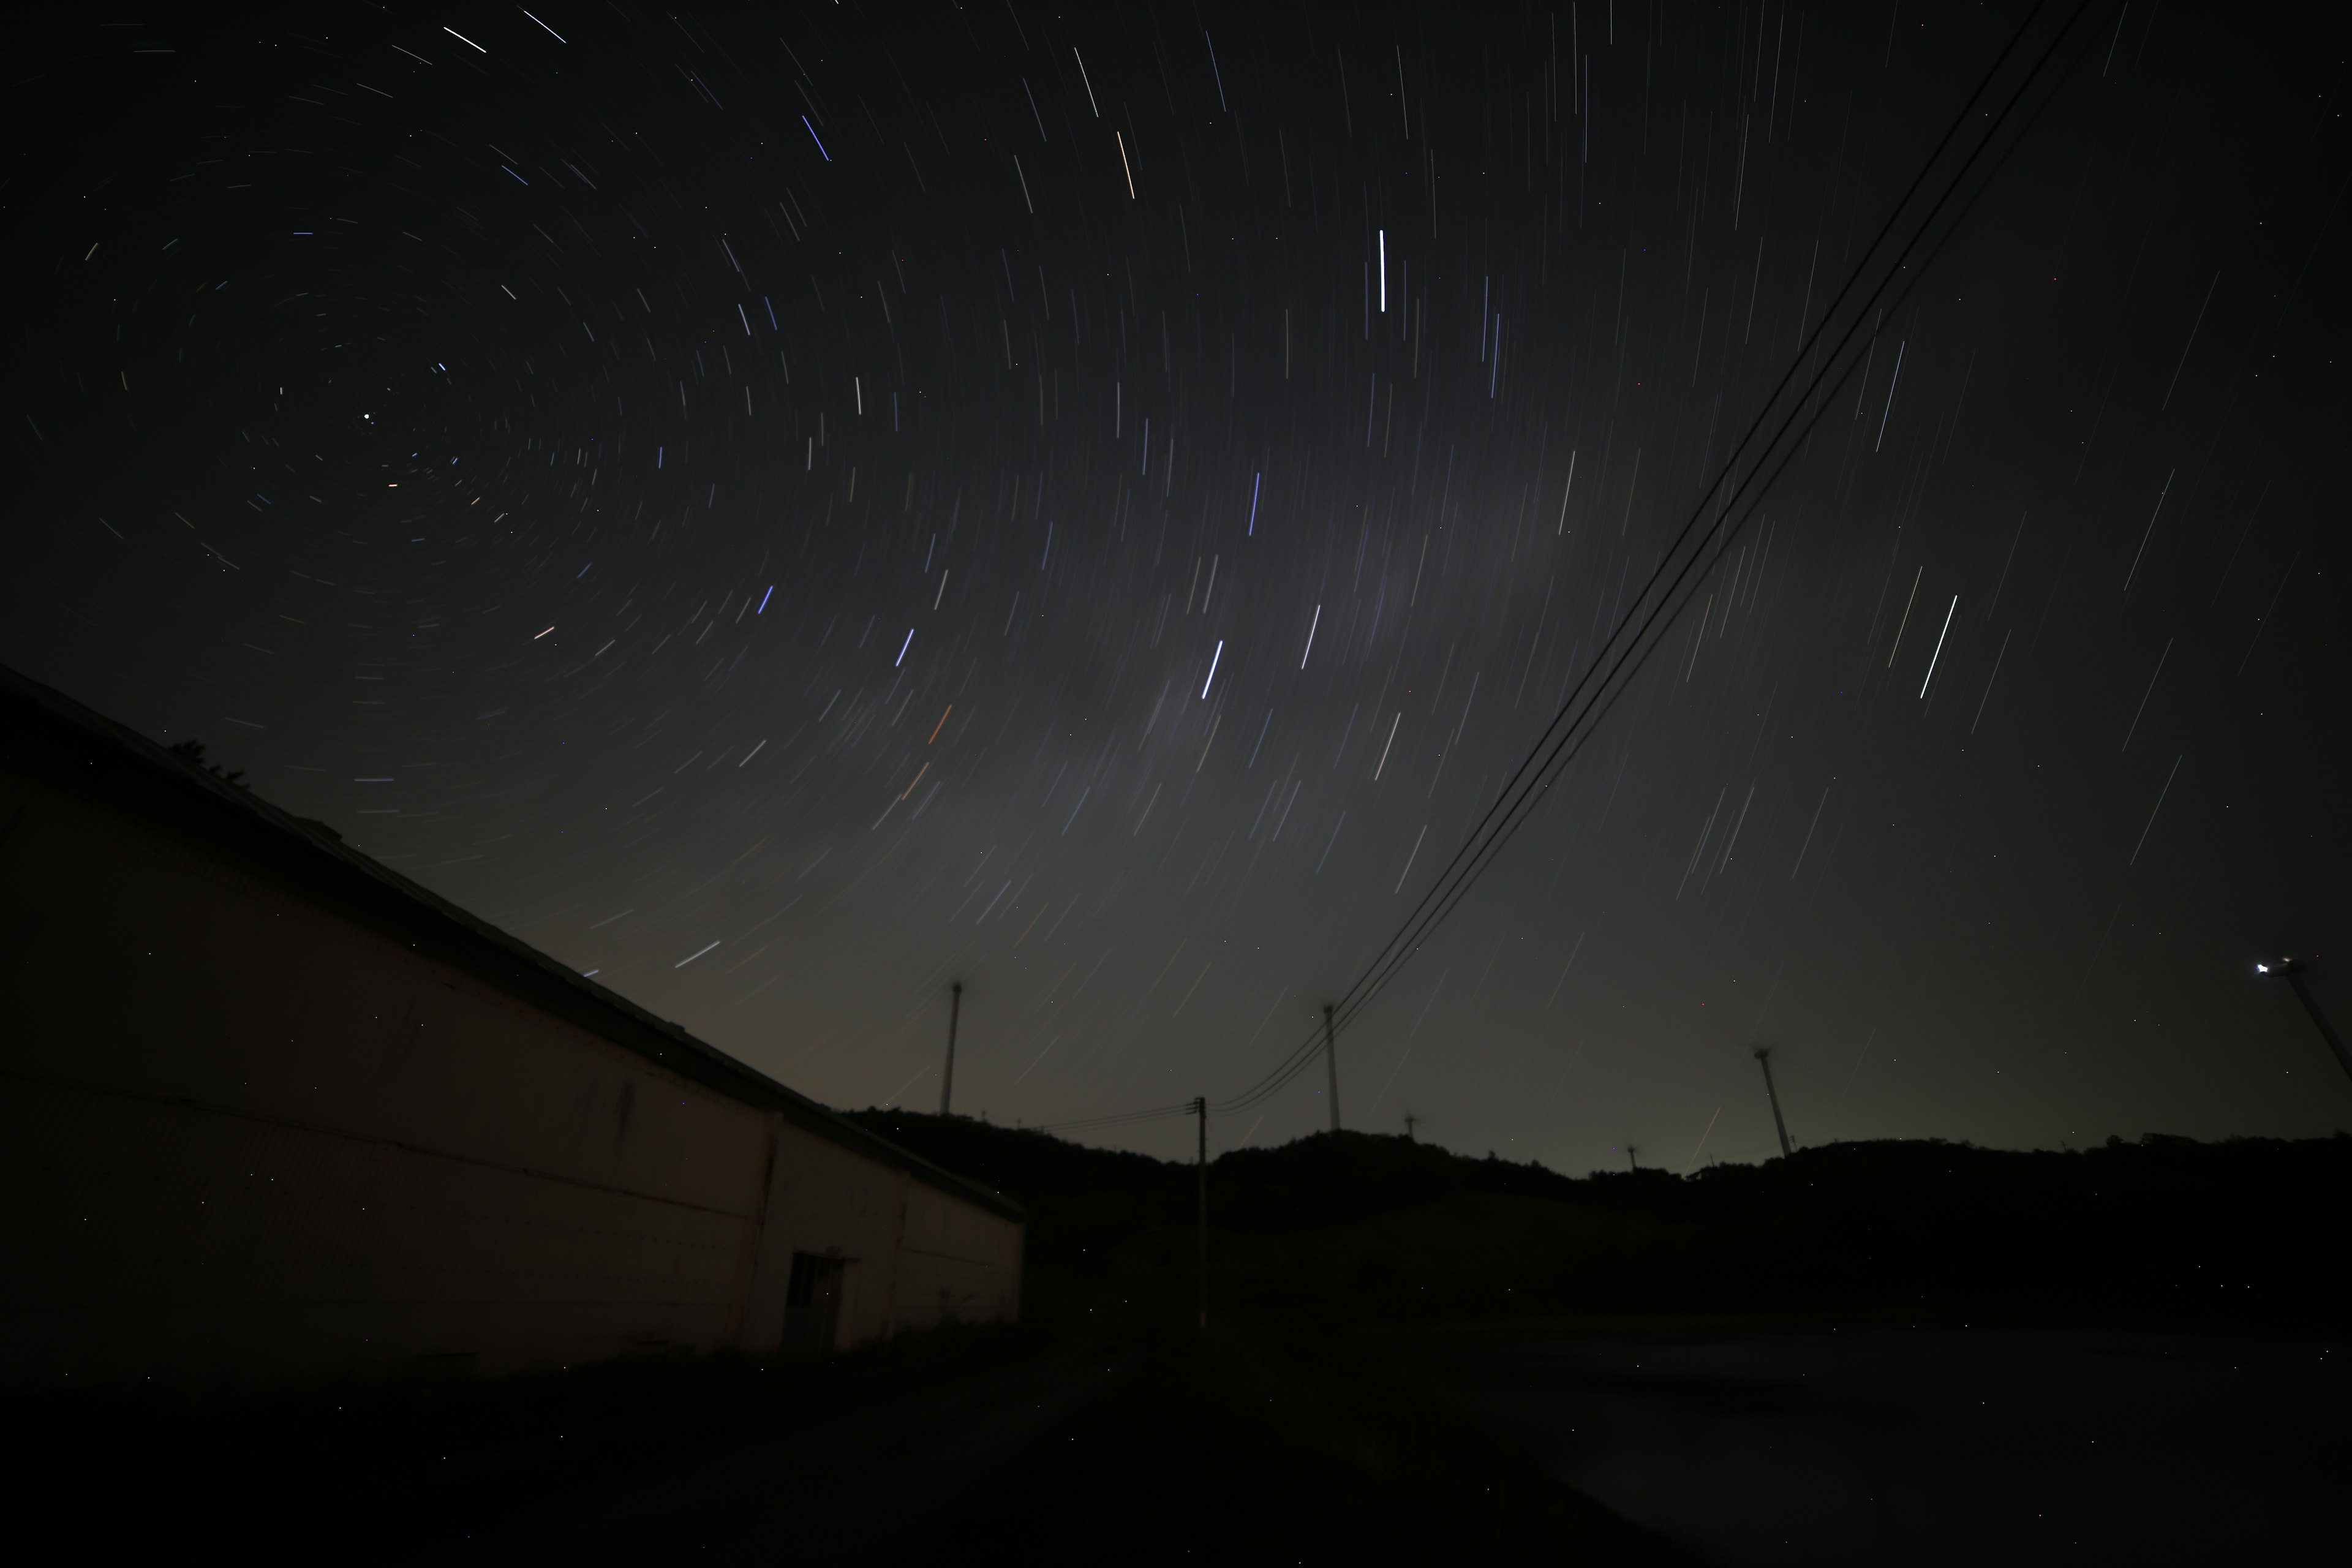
[[1764, 1061], [2291, 969], [1630, 1162], [1408, 1120], [947, 1079], [1332, 1062], [1201, 1106]]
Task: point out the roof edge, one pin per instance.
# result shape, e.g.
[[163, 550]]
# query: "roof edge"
[[718, 1071]]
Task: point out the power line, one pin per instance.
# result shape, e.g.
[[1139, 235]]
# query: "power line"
[[1569, 729], [1114, 1118], [1688, 561]]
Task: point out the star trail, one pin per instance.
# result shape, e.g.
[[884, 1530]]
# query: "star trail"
[[785, 509]]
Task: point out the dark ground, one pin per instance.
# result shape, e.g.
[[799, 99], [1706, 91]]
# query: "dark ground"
[[1909, 1353], [981, 1444], [1933, 1446]]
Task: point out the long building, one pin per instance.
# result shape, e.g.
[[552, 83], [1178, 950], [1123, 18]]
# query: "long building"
[[270, 1111]]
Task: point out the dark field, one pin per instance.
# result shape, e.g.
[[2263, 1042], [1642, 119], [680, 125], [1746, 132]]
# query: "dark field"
[[1932, 1446]]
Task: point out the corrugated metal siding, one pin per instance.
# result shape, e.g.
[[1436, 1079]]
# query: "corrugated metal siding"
[[146, 1235], [236, 996], [828, 1201], [955, 1264]]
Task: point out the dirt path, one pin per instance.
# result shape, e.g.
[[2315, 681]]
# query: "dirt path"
[[851, 1489]]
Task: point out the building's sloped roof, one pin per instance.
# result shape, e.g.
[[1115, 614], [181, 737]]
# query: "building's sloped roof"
[[138, 770]]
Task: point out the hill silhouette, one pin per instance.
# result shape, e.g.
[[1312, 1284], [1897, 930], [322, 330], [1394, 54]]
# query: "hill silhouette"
[[1355, 1227]]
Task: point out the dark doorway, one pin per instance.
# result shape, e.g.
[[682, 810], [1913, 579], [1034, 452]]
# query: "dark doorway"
[[813, 1303]]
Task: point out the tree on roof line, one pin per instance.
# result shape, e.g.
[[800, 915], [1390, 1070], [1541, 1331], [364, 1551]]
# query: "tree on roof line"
[[192, 751]]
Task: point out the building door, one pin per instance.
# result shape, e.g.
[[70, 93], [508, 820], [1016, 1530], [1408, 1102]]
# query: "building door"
[[813, 1303]]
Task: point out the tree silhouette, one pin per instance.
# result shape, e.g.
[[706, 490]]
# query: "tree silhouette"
[[192, 751]]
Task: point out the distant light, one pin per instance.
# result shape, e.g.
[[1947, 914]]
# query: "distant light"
[[2262, 969]]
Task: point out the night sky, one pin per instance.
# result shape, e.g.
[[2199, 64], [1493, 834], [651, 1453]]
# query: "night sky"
[[782, 511]]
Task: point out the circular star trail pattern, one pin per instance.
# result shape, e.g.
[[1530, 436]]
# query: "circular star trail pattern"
[[783, 510]]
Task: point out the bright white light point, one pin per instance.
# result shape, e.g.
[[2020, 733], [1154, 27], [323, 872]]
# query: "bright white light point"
[[1212, 667], [903, 648]]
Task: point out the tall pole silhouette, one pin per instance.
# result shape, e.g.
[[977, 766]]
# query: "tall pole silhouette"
[[947, 1078], [1764, 1061], [1202, 1107], [1331, 1062], [2291, 970]]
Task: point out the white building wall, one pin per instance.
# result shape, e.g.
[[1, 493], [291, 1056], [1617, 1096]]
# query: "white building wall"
[[243, 1135], [830, 1201], [955, 1264]]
